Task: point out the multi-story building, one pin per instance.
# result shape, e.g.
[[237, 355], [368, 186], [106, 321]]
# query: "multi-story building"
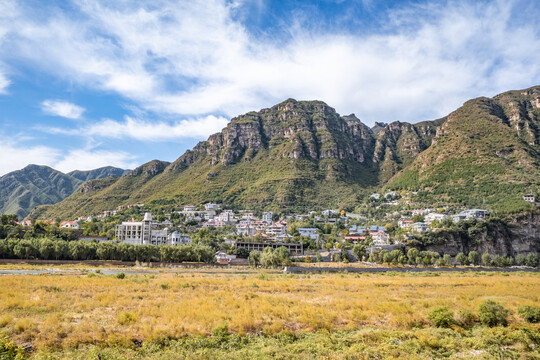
[[176, 238], [267, 217], [309, 232], [140, 233]]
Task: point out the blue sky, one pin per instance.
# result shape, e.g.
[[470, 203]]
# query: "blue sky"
[[89, 83]]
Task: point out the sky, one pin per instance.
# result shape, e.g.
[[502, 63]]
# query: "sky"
[[92, 83]]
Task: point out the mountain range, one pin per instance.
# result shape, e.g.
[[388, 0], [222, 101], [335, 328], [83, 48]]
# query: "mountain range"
[[23, 190], [301, 155]]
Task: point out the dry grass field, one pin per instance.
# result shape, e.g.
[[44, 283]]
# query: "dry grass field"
[[83, 313]]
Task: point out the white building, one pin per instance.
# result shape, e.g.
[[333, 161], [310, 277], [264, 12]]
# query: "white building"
[[139, 233], [176, 238], [70, 225], [529, 198], [309, 232], [419, 227], [209, 207], [226, 216], [267, 217], [329, 212], [380, 238], [435, 216], [190, 208]]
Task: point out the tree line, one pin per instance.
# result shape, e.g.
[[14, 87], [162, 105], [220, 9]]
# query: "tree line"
[[55, 249]]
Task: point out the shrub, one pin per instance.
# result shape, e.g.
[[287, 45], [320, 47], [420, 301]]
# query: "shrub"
[[492, 314], [466, 318], [120, 275], [442, 317], [126, 318], [530, 313]]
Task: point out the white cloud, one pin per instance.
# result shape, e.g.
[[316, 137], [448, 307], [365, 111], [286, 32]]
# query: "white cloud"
[[147, 130], [62, 109], [16, 156], [194, 58], [4, 83], [93, 159]]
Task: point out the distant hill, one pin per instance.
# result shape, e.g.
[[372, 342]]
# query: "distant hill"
[[98, 173], [23, 190], [302, 155]]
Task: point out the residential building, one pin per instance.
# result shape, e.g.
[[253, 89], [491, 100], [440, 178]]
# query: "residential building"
[[267, 217], [329, 212], [478, 214], [529, 198], [312, 233], [226, 216], [176, 238], [375, 196], [190, 208], [70, 225], [209, 207], [380, 238], [405, 224], [278, 228], [419, 227], [435, 216]]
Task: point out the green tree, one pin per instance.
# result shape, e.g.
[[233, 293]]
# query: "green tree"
[[486, 259], [462, 259], [492, 314], [474, 258]]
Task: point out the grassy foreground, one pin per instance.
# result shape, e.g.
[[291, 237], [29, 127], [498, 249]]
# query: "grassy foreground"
[[233, 314]]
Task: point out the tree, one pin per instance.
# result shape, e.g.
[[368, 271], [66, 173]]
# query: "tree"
[[359, 251], [532, 260], [412, 254], [474, 258], [254, 258], [447, 259], [486, 259], [462, 259]]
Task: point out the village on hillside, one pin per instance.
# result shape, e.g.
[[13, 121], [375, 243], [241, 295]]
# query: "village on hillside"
[[327, 235]]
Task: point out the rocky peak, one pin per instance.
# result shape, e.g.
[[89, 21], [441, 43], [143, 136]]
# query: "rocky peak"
[[150, 169]]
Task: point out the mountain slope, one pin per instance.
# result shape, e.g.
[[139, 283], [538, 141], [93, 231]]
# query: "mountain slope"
[[23, 190], [486, 152], [302, 155], [98, 173]]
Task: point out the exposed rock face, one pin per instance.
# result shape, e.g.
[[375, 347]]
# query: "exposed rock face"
[[310, 130], [150, 169], [522, 238]]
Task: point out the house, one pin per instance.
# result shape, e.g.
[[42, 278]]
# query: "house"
[[217, 223], [405, 224], [176, 238], [375, 196], [248, 216], [190, 208], [311, 233], [69, 225], [354, 229], [293, 247], [26, 223], [278, 228], [246, 230], [478, 214], [529, 198], [267, 217], [209, 207], [374, 228], [380, 238], [329, 212], [355, 237], [390, 194], [429, 218], [222, 258], [419, 227], [226, 216]]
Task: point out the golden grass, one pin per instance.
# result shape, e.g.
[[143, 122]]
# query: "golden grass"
[[68, 310]]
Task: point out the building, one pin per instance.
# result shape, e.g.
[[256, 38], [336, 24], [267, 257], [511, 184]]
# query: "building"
[[140, 233], [294, 248], [419, 227], [176, 238], [329, 212], [375, 196], [380, 238], [69, 225], [311, 233], [529, 198], [190, 208], [405, 224], [435, 216], [477, 214], [226, 216], [209, 207], [267, 217], [278, 228], [375, 228]]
